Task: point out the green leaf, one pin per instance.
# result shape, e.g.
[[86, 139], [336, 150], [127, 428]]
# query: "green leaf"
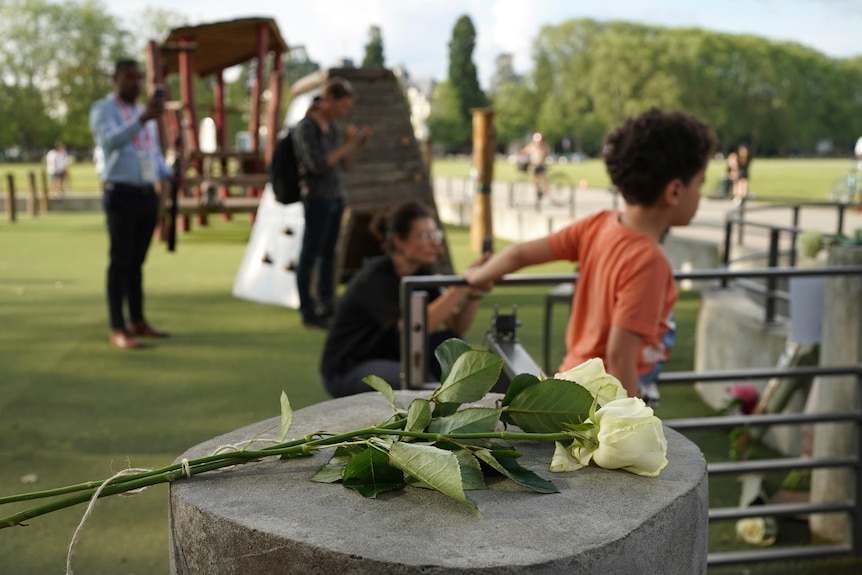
[[435, 467], [442, 409], [286, 415], [380, 385], [449, 351], [418, 415], [471, 470], [471, 420], [511, 469], [474, 374], [550, 406], [519, 384], [333, 470], [369, 473]]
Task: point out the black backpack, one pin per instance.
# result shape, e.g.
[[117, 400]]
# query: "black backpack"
[[284, 171]]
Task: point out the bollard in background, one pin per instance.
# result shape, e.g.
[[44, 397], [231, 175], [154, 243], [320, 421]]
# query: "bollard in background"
[[43, 206], [32, 198], [10, 197]]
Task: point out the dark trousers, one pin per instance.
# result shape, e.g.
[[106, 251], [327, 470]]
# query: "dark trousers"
[[131, 214], [322, 223], [349, 381]]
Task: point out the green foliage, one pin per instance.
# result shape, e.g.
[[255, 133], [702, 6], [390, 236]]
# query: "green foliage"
[[445, 123], [462, 71], [598, 73], [373, 49]]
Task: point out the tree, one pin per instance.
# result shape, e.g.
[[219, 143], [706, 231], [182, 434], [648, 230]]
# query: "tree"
[[463, 78], [514, 112], [374, 49], [445, 122], [504, 71]]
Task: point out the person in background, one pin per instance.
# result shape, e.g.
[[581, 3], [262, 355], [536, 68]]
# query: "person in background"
[[57, 161], [740, 187], [622, 306], [322, 155], [538, 151], [365, 335], [131, 178]]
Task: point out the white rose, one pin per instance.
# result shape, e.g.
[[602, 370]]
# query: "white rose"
[[630, 437], [592, 375], [757, 530]]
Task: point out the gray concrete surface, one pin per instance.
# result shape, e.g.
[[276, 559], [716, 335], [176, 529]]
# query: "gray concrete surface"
[[269, 517]]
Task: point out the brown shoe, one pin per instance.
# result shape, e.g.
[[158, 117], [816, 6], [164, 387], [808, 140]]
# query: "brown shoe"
[[120, 338], [146, 330]]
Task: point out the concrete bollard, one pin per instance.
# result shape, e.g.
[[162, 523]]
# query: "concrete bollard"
[[841, 344], [269, 517]]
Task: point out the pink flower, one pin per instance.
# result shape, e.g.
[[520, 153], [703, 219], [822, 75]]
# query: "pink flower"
[[746, 396]]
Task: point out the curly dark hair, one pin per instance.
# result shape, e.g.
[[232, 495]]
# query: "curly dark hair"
[[645, 153], [397, 221]]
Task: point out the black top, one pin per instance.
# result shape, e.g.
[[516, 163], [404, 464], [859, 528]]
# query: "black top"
[[311, 146], [365, 325]]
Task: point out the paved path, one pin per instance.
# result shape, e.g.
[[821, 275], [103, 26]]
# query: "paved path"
[[707, 225]]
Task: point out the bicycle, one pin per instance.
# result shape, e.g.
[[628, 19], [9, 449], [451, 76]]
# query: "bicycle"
[[559, 187]]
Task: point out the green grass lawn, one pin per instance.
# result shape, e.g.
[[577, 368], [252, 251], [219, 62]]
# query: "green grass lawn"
[[770, 177], [74, 409]]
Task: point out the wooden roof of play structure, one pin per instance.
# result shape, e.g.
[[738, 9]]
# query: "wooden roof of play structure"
[[221, 45], [208, 50], [391, 167]]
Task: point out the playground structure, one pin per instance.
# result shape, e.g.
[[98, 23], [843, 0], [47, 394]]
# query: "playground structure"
[[209, 174], [391, 168]]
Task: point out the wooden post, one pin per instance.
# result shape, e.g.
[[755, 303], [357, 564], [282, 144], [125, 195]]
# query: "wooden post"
[[43, 206], [32, 198], [483, 161], [10, 197]]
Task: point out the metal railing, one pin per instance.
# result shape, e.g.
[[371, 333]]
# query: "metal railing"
[[413, 376]]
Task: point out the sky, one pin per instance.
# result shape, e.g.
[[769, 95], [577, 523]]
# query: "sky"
[[416, 32]]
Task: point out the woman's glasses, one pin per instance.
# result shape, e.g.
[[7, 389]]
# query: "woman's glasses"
[[434, 235]]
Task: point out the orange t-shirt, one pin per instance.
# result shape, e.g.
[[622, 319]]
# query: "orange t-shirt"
[[624, 279]]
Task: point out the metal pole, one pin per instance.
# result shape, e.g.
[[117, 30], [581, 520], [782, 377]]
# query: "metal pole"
[[725, 258], [771, 281], [793, 234]]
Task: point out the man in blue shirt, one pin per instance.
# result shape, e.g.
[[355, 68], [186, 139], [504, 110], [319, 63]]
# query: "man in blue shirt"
[[133, 170]]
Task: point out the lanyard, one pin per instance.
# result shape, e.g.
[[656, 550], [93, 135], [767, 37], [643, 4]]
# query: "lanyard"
[[127, 116]]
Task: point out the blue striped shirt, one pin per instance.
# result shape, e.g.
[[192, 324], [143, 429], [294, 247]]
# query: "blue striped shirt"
[[119, 133]]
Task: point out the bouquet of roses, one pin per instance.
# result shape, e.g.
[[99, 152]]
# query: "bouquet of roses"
[[441, 441]]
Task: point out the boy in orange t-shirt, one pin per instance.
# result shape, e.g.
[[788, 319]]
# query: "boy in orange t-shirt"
[[625, 290]]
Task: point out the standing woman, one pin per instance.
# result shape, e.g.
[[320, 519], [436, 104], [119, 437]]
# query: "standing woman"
[[740, 187], [322, 155], [364, 338]]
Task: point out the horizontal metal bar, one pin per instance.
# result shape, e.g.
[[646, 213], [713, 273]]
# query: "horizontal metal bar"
[[758, 373], [780, 464], [780, 510], [764, 420], [776, 554], [418, 282]]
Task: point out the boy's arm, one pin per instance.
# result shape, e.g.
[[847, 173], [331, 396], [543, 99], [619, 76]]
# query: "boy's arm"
[[622, 357], [509, 260]]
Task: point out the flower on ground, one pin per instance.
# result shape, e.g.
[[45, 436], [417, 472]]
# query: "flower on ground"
[[592, 375], [809, 243], [627, 435], [757, 530], [745, 396]]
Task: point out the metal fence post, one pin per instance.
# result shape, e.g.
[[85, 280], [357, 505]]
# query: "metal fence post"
[[725, 258], [771, 281]]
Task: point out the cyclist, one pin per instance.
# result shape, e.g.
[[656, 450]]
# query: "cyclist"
[[538, 151]]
